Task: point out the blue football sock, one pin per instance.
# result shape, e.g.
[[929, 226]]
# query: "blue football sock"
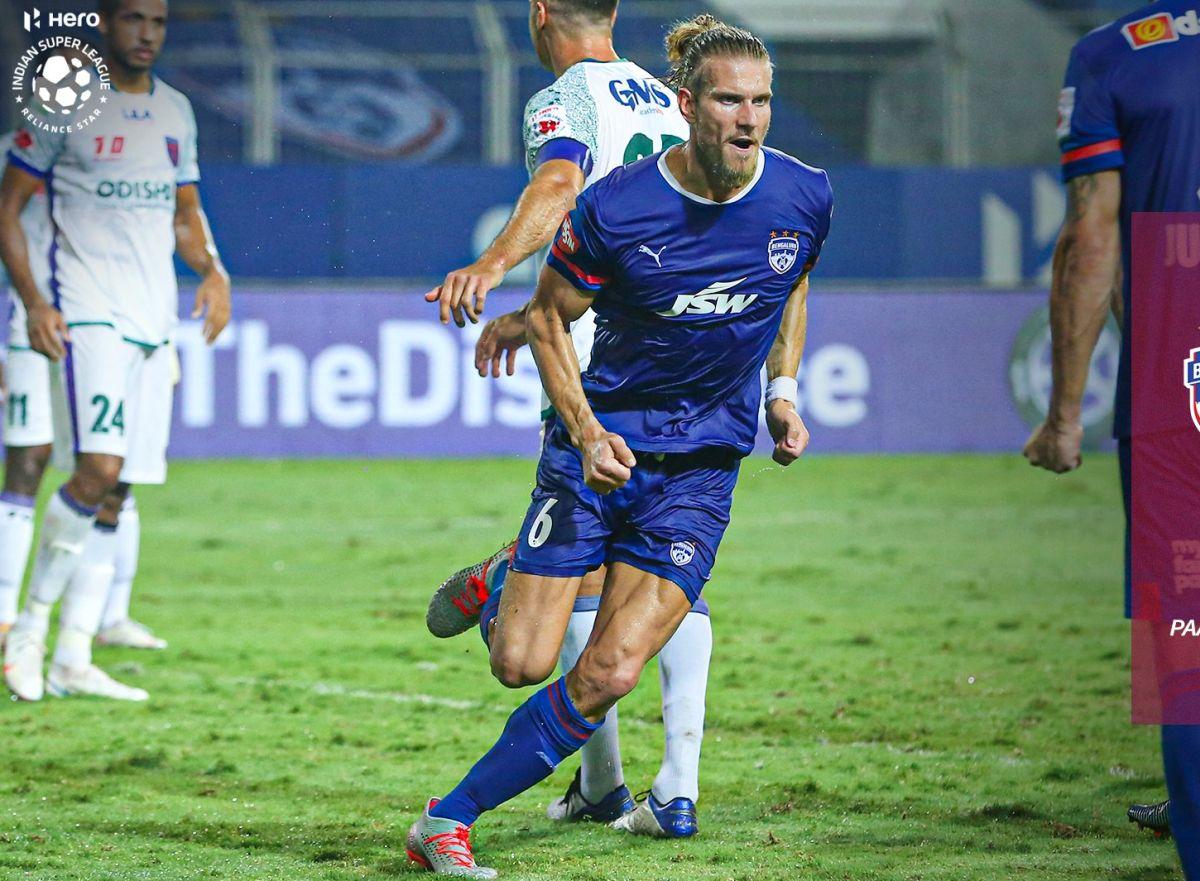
[[538, 735], [1181, 759], [492, 605]]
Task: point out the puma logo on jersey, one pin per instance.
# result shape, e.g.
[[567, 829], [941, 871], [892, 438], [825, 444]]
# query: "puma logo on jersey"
[[645, 249], [712, 301]]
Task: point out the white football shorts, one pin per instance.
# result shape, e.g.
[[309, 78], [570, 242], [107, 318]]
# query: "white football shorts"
[[27, 410], [114, 397]]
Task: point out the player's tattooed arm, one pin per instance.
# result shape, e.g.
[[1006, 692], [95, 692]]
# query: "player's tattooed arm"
[[783, 362], [607, 460], [47, 329], [539, 212], [1087, 260], [194, 244]]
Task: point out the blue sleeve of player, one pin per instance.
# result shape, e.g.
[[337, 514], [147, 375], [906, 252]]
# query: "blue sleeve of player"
[[1087, 120], [821, 232], [579, 254]]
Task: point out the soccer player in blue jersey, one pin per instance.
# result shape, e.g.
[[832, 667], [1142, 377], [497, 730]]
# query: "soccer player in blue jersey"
[[601, 112], [1129, 127], [642, 454]]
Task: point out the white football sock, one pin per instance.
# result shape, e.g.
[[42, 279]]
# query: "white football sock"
[[83, 602], [683, 669], [600, 758], [16, 537], [65, 529], [129, 536]]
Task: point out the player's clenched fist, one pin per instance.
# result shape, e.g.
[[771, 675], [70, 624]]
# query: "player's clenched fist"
[[48, 331], [1055, 447], [787, 430], [607, 462]]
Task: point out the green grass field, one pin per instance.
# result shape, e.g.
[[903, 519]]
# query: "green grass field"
[[921, 672]]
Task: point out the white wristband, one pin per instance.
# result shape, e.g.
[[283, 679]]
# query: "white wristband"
[[783, 388]]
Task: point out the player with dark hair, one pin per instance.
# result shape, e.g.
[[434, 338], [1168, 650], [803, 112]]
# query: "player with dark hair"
[[600, 113], [124, 200], [1129, 128], [642, 452]]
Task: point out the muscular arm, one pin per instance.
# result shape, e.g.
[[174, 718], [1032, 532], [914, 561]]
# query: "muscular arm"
[[1087, 259], [47, 329], [787, 428], [606, 459], [788, 348], [16, 189], [549, 195], [1087, 269], [194, 244]]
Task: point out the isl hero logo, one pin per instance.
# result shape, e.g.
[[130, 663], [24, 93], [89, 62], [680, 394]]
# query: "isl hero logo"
[[1191, 379], [58, 84], [1161, 28]]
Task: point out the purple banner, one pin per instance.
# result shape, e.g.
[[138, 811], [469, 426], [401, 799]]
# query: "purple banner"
[[309, 372], [1165, 458]]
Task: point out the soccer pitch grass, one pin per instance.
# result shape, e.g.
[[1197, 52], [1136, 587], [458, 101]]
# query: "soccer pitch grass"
[[920, 672]]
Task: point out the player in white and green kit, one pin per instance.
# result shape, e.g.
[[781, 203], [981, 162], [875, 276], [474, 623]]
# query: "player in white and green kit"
[[28, 429], [601, 112], [123, 201], [28, 433]]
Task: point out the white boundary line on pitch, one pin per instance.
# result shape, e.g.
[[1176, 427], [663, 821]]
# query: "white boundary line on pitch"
[[336, 689]]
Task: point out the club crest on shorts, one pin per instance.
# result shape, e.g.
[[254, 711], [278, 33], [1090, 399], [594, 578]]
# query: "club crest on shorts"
[[783, 250], [1191, 379], [682, 552]]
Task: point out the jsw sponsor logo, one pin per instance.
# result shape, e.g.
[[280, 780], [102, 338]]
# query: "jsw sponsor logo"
[[711, 301]]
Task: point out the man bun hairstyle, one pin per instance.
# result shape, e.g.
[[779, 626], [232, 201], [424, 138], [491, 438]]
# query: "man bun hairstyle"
[[691, 43]]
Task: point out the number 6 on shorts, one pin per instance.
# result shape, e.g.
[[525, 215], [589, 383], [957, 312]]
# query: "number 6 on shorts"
[[542, 524]]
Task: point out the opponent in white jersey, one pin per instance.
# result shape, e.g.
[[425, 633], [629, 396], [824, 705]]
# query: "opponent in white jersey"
[[618, 113], [600, 113], [27, 426], [123, 200]]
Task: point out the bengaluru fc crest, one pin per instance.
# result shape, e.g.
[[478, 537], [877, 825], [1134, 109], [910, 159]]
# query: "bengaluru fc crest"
[[1191, 378], [783, 250]]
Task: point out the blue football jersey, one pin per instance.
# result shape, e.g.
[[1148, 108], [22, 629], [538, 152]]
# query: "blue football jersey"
[[689, 295], [1132, 102]]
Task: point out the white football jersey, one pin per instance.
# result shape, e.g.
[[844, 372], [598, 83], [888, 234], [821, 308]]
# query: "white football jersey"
[[616, 109], [621, 114], [39, 235], [112, 200]]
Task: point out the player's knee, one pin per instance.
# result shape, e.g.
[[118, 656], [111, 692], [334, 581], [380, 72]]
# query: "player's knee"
[[604, 678], [517, 669], [24, 467], [95, 477]]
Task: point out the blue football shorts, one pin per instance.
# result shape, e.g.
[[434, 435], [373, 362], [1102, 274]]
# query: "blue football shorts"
[[667, 520]]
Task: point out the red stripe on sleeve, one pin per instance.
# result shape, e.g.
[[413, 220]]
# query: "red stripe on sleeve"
[[1091, 150], [590, 279]]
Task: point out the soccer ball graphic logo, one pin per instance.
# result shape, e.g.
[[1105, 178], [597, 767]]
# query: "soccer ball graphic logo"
[[62, 84]]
